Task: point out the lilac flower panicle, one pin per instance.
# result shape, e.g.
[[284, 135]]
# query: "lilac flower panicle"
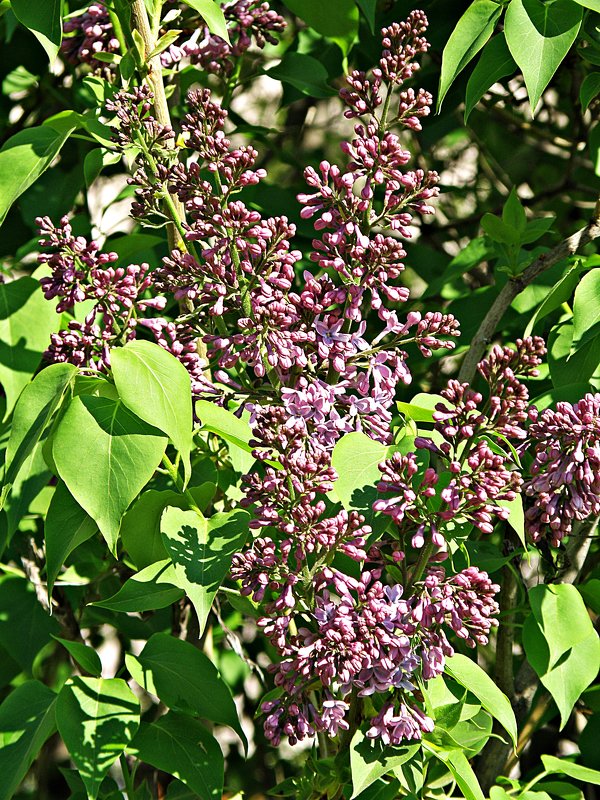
[[565, 482]]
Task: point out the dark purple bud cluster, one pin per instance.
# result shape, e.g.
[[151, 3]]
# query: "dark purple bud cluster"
[[471, 471], [122, 300], [509, 398], [86, 35], [248, 22], [565, 483], [132, 110]]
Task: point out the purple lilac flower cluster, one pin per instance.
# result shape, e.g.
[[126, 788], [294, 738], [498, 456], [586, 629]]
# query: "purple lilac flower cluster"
[[353, 637], [86, 35], [81, 272], [122, 300], [472, 470], [248, 22], [565, 482]]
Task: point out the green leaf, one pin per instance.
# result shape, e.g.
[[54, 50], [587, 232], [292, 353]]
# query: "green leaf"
[[9, 669], [33, 411], [67, 526], [212, 15], [151, 588], [539, 36], [551, 605], [590, 87], [586, 310], [516, 516], [304, 72], [87, 658], [594, 5], [120, 453], [201, 550], [97, 718], [567, 367], [369, 761], [561, 789], [470, 675], [590, 591], [536, 228], [26, 722], [494, 64], [572, 393], [477, 250], [179, 791], [558, 295], [26, 321], [140, 529], [337, 19], [181, 746], [31, 478], [472, 31], [44, 20], [224, 424], [421, 407], [462, 772], [368, 8], [513, 213], [157, 387], [355, 459], [166, 40], [499, 231], [186, 680], [24, 157], [25, 627], [573, 673], [565, 767], [95, 161]]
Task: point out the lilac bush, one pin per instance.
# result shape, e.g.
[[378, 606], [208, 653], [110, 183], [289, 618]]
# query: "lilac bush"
[[297, 353], [296, 477]]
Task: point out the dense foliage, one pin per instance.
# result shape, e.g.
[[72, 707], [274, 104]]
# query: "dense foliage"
[[300, 368]]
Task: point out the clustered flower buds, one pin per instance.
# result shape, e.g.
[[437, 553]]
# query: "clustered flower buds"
[[81, 272], [248, 22], [565, 483], [86, 35]]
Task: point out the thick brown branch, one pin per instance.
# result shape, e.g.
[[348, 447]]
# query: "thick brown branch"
[[516, 285]]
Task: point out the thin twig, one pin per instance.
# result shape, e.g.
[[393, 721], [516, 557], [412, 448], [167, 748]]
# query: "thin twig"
[[516, 285]]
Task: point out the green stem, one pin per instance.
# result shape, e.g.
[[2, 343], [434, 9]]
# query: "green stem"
[[177, 480], [141, 22], [127, 778], [118, 29], [420, 566], [232, 84]]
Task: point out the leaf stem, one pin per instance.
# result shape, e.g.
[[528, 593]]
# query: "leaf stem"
[[127, 777], [177, 480]]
